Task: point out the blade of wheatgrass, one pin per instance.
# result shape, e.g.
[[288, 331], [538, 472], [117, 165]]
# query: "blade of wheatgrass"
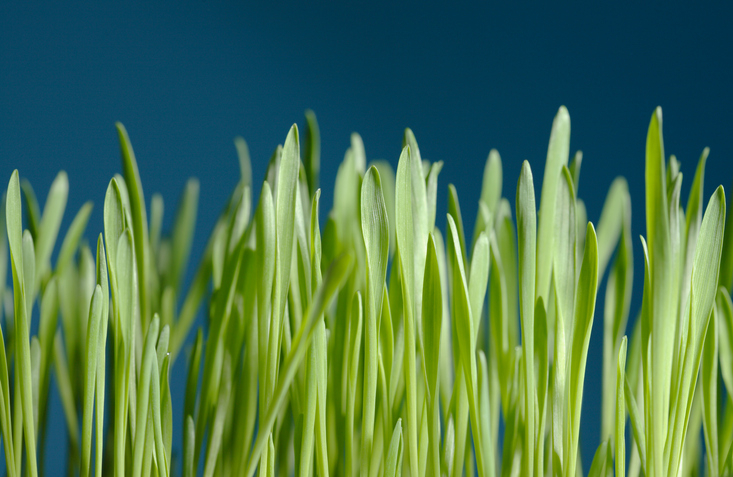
[[183, 232], [143, 393], [602, 465], [31, 202], [46, 329], [466, 336], [724, 309], [387, 177], [478, 281], [619, 436], [454, 209], [726, 260], [432, 321], [123, 301], [490, 190], [704, 276], [90, 377], [35, 375], [103, 282], [321, 431], [616, 314], [527, 239], [498, 322], [332, 282], [355, 332], [541, 358], [63, 380], [563, 286], [583, 323], [561, 354], [21, 255], [564, 260], [312, 154], [285, 203], [192, 376], [489, 449], [189, 439], [221, 407], [375, 230], [6, 423], [574, 168], [662, 334], [709, 378], [614, 215], [139, 219], [393, 463], [48, 228], [558, 151], [419, 218], [307, 436], [405, 235], [245, 162], [166, 409], [431, 191], [266, 252]]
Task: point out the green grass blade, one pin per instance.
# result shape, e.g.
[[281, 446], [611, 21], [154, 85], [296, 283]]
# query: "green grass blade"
[[143, 394], [527, 239], [387, 176], [616, 212], [72, 237], [406, 240], [583, 323], [183, 231], [619, 436], [393, 463], [660, 250], [90, 377], [602, 465], [490, 191], [375, 230], [564, 265], [709, 378], [312, 155], [216, 432], [557, 156], [22, 258], [48, 228], [31, 202], [432, 321], [431, 191], [139, 220], [705, 270]]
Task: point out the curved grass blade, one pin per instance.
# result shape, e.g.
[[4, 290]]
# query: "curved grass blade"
[[527, 239], [375, 230], [583, 323], [48, 228], [558, 151], [393, 463], [139, 220], [619, 437]]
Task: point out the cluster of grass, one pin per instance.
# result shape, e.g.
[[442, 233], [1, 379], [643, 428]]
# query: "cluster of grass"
[[376, 346]]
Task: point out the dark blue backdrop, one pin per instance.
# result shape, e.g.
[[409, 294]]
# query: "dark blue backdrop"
[[185, 79]]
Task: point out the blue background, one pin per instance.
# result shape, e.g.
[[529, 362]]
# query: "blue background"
[[185, 79]]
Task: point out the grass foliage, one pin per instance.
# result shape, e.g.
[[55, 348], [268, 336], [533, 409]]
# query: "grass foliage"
[[374, 345]]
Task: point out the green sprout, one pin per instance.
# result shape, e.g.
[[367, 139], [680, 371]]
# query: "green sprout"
[[375, 345]]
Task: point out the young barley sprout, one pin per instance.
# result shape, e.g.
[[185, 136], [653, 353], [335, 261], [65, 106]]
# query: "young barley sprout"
[[381, 344]]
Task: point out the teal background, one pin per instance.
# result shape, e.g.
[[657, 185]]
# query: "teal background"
[[186, 77]]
